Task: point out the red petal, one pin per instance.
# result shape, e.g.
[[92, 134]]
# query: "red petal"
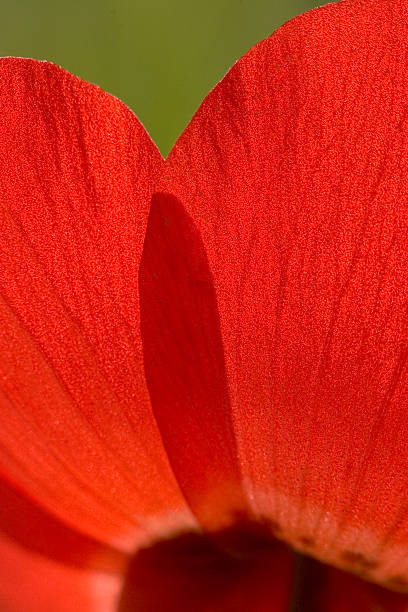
[[31, 583], [77, 434], [289, 191], [184, 360], [25, 523]]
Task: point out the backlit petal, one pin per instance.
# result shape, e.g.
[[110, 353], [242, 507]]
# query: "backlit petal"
[[78, 435], [288, 197]]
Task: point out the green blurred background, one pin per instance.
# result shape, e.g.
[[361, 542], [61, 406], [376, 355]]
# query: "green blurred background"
[[161, 57]]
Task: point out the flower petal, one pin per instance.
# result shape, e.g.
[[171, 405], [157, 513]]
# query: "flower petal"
[[22, 521], [32, 583], [289, 188], [78, 434]]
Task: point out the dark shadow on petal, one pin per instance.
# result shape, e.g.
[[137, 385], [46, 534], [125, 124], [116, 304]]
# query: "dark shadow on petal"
[[184, 361], [240, 569], [309, 579], [33, 528], [234, 570]]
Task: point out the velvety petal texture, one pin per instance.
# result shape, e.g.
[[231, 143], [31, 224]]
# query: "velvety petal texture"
[[78, 436], [287, 193]]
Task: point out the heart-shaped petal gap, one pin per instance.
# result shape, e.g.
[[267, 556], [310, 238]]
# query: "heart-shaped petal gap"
[[302, 325]]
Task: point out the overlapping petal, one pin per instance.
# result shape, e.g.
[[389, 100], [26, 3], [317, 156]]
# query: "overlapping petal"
[[34, 583], [27, 524], [273, 291], [285, 293], [78, 435]]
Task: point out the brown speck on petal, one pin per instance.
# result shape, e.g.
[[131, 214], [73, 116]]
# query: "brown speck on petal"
[[360, 561]]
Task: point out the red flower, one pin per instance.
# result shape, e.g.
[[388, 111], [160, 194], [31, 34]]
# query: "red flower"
[[227, 355]]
